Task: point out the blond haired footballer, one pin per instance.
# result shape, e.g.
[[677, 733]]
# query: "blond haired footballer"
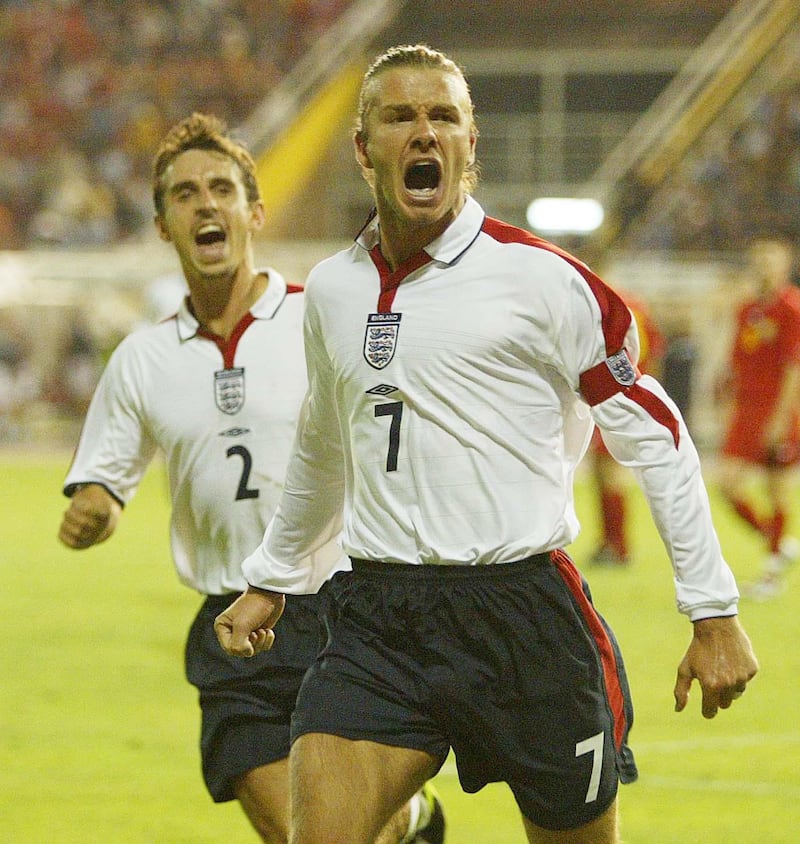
[[457, 367]]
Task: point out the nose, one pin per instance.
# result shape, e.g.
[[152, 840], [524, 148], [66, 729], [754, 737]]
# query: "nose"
[[424, 135], [206, 197]]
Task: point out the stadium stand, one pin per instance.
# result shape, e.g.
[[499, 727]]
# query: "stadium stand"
[[88, 87], [716, 158]]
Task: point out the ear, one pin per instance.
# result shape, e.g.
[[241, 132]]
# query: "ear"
[[362, 156], [473, 139], [258, 215], [162, 228]]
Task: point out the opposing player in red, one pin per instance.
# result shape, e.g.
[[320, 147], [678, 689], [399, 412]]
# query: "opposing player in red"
[[763, 432], [610, 478], [457, 365], [218, 389]]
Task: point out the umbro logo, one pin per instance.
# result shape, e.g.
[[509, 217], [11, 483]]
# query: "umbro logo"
[[381, 390]]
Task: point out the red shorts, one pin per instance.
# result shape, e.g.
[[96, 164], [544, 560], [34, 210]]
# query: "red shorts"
[[745, 439]]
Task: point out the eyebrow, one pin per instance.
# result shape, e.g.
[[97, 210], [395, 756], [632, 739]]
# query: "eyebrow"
[[395, 108], [391, 109], [192, 183]]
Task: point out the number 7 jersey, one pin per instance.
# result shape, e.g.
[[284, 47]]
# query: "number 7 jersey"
[[451, 401]]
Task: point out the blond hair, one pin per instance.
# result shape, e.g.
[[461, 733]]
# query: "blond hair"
[[418, 56]]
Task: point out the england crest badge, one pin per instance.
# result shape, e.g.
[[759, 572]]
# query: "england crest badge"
[[621, 368], [380, 339], [229, 389]]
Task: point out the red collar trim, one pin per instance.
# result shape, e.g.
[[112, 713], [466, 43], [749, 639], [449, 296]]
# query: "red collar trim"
[[228, 347], [391, 280]]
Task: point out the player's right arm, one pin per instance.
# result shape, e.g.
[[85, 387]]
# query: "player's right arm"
[[113, 452], [294, 556], [91, 517], [245, 627]]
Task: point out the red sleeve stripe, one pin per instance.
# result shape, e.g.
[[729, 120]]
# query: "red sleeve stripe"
[[656, 408], [597, 384], [616, 317]]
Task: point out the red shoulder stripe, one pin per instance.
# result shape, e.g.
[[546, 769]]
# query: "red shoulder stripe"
[[597, 383], [616, 317]]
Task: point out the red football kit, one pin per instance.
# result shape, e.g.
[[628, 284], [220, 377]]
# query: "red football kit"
[[767, 341]]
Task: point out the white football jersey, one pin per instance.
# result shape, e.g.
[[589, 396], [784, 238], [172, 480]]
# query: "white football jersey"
[[224, 415], [451, 401]]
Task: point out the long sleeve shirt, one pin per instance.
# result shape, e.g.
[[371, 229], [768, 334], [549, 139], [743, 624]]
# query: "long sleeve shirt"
[[450, 402]]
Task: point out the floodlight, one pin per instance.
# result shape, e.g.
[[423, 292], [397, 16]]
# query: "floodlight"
[[565, 215]]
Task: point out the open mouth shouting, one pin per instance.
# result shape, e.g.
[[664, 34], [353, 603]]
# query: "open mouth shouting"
[[422, 178], [210, 239]]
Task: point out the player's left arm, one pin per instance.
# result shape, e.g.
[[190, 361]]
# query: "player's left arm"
[[644, 430]]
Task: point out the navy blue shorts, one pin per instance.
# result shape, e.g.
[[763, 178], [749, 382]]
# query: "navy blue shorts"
[[509, 665], [247, 704]]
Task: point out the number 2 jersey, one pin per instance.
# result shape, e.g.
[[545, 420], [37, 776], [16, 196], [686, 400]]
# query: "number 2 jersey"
[[224, 415], [451, 400]]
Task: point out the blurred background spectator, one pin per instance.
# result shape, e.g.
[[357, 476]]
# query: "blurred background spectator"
[[734, 187], [19, 385], [70, 384], [88, 87]]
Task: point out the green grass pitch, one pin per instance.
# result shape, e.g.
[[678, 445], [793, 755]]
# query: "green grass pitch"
[[98, 728]]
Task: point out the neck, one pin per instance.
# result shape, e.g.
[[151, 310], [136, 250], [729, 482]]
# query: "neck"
[[401, 238], [220, 303]]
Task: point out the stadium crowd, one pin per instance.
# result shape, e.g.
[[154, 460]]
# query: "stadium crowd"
[[87, 88], [734, 186]]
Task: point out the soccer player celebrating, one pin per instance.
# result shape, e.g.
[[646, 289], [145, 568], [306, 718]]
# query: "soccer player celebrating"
[[763, 431], [456, 365], [218, 388]]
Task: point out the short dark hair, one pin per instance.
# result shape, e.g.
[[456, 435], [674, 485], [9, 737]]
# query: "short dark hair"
[[202, 131]]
